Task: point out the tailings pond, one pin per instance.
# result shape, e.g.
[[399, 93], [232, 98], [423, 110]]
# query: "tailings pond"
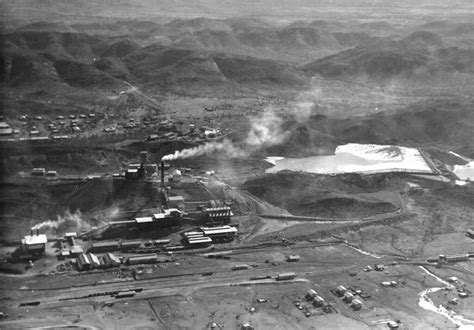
[[356, 158]]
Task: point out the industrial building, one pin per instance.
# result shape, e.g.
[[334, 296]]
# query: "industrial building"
[[5, 129], [70, 237], [141, 170], [104, 246], [199, 242], [206, 235], [76, 251], [217, 215], [142, 259], [176, 202], [83, 262], [196, 239], [111, 260], [34, 244], [88, 261], [95, 262], [220, 234], [165, 219], [130, 245]]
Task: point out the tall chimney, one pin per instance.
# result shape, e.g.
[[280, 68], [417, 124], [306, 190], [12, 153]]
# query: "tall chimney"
[[37, 232], [143, 157], [162, 165], [31, 232]]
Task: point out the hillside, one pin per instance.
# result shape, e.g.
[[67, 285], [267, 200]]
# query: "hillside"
[[344, 196], [446, 125], [376, 62]]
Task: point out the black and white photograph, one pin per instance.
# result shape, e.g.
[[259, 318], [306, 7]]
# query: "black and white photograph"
[[237, 164]]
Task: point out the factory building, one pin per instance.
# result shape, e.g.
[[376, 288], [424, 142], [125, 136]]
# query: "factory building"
[[198, 242], [70, 238], [168, 218], [76, 251], [141, 170], [105, 246], [206, 235], [217, 215], [131, 174], [220, 234], [34, 244], [165, 219], [176, 202], [95, 262], [143, 220], [5, 129], [142, 259], [83, 262], [130, 245], [111, 260], [196, 239], [88, 261]]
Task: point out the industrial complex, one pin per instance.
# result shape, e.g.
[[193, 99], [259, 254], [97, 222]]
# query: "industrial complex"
[[237, 165]]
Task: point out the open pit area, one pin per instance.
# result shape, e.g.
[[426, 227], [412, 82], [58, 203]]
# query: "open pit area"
[[237, 165]]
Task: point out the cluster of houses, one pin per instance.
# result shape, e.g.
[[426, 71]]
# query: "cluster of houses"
[[348, 297]]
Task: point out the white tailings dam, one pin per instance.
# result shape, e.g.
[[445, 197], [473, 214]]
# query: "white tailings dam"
[[465, 172], [357, 158]]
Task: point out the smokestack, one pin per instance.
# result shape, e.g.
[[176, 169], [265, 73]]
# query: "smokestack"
[[143, 157], [37, 232], [31, 232], [162, 173]]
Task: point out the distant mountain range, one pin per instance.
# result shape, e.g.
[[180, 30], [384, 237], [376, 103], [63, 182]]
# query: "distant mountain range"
[[183, 55]]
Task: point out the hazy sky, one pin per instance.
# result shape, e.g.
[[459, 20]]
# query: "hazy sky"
[[272, 9]]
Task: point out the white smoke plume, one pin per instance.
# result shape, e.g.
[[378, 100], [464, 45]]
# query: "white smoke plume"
[[67, 222], [265, 130], [305, 103], [225, 146]]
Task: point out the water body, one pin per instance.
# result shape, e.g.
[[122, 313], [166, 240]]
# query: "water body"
[[356, 158]]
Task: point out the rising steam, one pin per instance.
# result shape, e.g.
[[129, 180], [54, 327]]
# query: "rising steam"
[[224, 146], [265, 130], [67, 222]]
